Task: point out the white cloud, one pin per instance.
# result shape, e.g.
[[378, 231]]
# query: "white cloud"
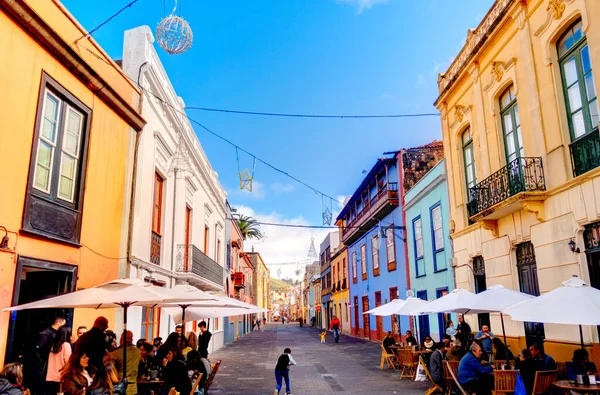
[[283, 244], [279, 188], [362, 5]]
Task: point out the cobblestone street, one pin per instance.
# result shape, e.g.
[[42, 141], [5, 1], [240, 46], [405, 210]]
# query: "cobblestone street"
[[349, 367]]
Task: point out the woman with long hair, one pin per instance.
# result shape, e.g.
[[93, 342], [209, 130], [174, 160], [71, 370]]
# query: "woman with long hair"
[[175, 373], [73, 374], [195, 365], [192, 340], [60, 352], [107, 381], [11, 379]]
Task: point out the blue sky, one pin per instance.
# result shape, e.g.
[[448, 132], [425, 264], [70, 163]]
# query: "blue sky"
[[310, 56]]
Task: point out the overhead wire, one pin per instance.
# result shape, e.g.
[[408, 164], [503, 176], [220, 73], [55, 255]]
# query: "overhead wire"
[[290, 115], [91, 32]]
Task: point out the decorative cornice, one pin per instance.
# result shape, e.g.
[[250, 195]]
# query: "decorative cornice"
[[459, 112], [491, 225], [498, 70], [536, 207], [52, 42], [554, 11]]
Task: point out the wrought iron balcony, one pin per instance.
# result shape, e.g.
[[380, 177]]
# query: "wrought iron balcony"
[[585, 153], [520, 175], [155, 248], [191, 260], [373, 210]]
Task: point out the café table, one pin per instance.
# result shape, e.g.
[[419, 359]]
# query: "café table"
[[147, 386], [567, 386]]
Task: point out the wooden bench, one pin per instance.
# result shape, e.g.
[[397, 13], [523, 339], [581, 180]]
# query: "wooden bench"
[[211, 376]]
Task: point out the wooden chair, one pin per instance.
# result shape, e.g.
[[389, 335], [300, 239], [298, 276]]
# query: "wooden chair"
[[386, 358], [543, 381], [406, 360], [211, 376], [450, 365], [196, 380], [434, 387], [462, 391], [505, 381], [498, 363], [561, 369]]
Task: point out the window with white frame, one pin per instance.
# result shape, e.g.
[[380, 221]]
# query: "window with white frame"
[[438, 236], [418, 231], [375, 252]]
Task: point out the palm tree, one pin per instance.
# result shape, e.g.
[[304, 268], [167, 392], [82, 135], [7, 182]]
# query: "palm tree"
[[249, 227]]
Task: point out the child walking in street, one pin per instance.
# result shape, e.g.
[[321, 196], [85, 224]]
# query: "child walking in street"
[[323, 334], [282, 370]]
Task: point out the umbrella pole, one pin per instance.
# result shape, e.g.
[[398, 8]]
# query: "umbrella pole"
[[125, 307], [504, 335], [399, 327], [581, 337], [183, 307]]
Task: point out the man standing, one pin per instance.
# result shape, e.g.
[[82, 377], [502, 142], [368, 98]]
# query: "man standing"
[[178, 329], [37, 368], [133, 361], [203, 340], [542, 361], [94, 343], [463, 332], [436, 366], [485, 336], [335, 327], [474, 376]]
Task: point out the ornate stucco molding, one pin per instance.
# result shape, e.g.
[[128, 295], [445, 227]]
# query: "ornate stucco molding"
[[491, 225], [499, 70], [535, 207], [554, 11], [459, 113]]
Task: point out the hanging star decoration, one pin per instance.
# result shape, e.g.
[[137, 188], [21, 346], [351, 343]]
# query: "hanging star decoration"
[[246, 180], [327, 216]]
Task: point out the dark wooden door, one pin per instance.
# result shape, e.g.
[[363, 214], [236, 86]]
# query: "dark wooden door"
[[366, 320], [423, 319], [528, 282], [480, 286], [356, 312], [378, 319]]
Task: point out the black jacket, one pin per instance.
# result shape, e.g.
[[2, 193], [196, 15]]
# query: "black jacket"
[[93, 343], [6, 388], [175, 374], [203, 340], [464, 333]]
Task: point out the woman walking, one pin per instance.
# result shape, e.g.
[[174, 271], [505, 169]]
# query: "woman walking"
[[60, 352], [282, 371]]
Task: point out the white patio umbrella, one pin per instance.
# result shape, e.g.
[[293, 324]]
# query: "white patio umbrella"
[[575, 303], [496, 298], [116, 293], [198, 313], [410, 306], [458, 301]]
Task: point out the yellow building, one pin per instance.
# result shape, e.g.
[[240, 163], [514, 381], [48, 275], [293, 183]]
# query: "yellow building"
[[340, 287], [67, 117], [261, 283], [520, 127]]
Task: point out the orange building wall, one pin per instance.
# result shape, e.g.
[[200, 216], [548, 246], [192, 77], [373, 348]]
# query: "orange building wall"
[[102, 221]]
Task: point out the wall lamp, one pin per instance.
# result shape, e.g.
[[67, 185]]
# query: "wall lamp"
[[382, 231], [4, 242], [573, 246]]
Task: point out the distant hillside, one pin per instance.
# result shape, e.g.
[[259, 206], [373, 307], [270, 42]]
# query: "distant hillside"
[[279, 285]]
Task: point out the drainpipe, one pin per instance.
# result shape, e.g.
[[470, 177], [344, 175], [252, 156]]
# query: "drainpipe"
[[138, 139]]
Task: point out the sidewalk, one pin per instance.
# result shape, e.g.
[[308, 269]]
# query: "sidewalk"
[[350, 366]]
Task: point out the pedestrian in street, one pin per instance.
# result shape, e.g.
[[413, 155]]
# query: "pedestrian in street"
[[335, 328], [94, 343], [11, 379], [203, 340], [463, 332], [58, 358], [282, 371], [36, 365]]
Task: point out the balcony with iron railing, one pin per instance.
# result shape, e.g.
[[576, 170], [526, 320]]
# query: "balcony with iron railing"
[[585, 153], [505, 191], [373, 210], [198, 268]]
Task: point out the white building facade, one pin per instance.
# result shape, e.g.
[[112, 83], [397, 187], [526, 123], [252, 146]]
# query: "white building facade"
[[179, 206]]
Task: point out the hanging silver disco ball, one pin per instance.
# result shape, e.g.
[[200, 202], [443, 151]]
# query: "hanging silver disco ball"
[[174, 35]]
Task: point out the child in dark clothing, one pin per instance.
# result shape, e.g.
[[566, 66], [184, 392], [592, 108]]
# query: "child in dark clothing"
[[282, 370]]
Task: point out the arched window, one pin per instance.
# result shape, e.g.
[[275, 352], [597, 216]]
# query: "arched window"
[[511, 125], [578, 81], [469, 159]]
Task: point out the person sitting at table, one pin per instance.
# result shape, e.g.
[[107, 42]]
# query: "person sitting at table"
[[526, 367], [195, 365], [436, 366], [389, 341], [428, 344], [485, 336], [455, 352], [146, 360], [175, 373], [447, 339], [474, 376], [581, 365], [502, 351], [107, 381], [410, 340], [543, 361]]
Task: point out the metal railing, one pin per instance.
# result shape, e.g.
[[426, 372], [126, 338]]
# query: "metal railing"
[[585, 153], [388, 191], [155, 248], [520, 175], [190, 259]]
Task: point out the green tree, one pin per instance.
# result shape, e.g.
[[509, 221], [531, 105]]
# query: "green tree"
[[249, 227]]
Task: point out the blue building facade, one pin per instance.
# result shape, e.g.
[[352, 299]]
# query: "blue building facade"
[[427, 214], [371, 227]]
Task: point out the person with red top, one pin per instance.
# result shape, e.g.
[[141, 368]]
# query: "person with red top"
[[335, 327]]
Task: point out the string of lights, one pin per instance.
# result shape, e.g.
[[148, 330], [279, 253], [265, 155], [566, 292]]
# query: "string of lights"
[[91, 32], [289, 115]]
